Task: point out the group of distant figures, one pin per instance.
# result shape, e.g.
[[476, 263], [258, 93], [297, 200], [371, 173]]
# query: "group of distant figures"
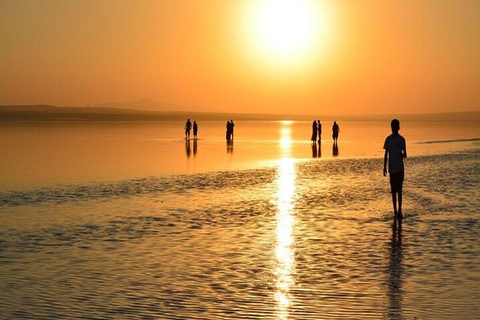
[[317, 131], [188, 128]]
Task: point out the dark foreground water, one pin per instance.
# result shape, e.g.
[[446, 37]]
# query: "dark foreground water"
[[296, 240]]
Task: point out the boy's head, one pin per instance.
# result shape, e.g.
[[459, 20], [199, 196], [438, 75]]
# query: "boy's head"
[[395, 124]]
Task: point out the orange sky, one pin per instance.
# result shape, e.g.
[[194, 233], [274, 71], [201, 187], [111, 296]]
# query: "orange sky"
[[405, 56]]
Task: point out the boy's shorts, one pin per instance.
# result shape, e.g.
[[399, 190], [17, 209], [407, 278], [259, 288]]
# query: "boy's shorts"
[[396, 181]]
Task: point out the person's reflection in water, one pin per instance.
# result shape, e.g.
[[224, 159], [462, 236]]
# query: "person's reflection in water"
[[187, 148], [230, 146], [335, 149], [394, 282], [194, 147], [316, 151]]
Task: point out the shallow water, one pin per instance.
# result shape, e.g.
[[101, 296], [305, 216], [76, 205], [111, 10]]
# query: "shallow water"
[[295, 239], [48, 154]]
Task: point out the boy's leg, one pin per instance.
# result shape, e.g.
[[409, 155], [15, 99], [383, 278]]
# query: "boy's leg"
[[400, 203], [394, 194], [394, 200], [400, 194]]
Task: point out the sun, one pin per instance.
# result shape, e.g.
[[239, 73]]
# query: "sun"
[[285, 26], [287, 30]]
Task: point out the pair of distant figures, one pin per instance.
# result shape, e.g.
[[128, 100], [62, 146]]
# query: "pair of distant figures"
[[317, 130], [229, 135], [188, 128]]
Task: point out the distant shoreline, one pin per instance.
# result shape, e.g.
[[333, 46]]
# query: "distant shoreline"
[[48, 113]]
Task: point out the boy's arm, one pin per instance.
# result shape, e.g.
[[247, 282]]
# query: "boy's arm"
[[404, 154], [385, 163]]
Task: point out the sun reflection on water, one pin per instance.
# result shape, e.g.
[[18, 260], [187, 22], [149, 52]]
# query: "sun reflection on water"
[[284, 254]]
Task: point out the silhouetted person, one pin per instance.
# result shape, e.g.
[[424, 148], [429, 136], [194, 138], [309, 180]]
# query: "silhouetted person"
[[194, 147], [395, 150], [319, 130], [335, 131], [229, 128], [188, 127], [335, 149], [232, 125], [314, 131], [195, 129], [187, 148], [314, 150]]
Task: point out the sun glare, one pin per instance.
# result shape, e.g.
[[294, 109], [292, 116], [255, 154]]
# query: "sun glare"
[[285, 26], [287, 30], [284, 250]]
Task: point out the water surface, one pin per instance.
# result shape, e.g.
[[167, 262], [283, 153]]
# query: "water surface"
[[265, 231], [52, 153]]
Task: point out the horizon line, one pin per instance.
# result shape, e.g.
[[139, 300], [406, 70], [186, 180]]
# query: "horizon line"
[[99, 107]]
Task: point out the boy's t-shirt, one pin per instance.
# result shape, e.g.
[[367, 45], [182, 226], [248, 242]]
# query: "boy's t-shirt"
[[394, 146]]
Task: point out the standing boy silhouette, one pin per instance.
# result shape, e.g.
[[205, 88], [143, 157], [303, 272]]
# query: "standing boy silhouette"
[[395, 150]]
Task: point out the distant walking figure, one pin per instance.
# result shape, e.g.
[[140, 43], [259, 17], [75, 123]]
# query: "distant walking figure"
[[314, 131], [188, 127], [395, 150], [229, 128], [319, 129], [195, 130], [335, 130]]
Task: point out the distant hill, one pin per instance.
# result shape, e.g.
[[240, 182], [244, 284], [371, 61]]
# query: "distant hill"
[[146, 105], [54, 113]]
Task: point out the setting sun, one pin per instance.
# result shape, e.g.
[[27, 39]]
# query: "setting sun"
[[287, 31], [284, 26]]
